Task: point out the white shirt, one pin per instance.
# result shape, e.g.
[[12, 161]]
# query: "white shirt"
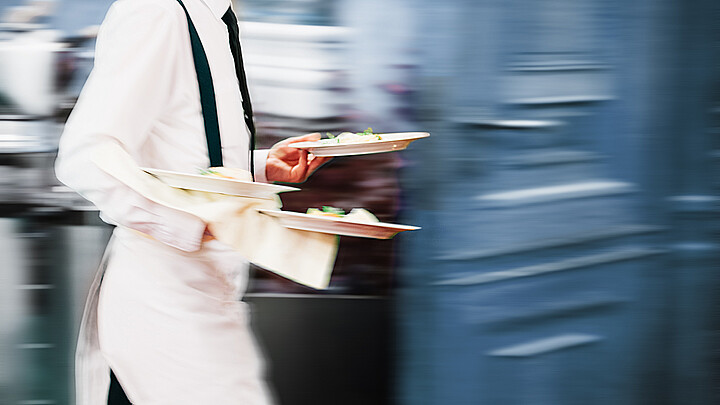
[[167, 321], [143, 94]]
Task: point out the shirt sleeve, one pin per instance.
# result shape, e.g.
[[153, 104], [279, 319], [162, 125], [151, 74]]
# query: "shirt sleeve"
[[130, 84], [260, 156]]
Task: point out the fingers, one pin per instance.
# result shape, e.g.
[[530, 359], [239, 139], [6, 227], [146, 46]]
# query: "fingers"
[[316, 162], [305, 166], [298, 162], [299, 171]]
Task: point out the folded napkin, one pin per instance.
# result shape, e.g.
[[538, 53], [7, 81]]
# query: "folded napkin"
[[302, 256]]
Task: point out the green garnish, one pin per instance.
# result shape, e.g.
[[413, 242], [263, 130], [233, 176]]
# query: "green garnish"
[[369, 131], [326, 211], [349, 137], [333, 210]]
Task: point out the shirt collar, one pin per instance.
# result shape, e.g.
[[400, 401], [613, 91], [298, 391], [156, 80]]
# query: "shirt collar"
[[218, 7]]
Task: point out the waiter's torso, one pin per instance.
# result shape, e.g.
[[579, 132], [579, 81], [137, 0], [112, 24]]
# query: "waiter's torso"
[[176, 140]]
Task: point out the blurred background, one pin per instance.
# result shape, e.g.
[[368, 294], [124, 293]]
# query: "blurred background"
[[568, 198]]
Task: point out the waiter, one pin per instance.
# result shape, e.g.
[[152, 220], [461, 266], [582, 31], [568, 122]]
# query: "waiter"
[[164, 323]]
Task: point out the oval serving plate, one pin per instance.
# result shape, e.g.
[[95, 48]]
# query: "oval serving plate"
[[218, 185], [389, 143], [337, 226]]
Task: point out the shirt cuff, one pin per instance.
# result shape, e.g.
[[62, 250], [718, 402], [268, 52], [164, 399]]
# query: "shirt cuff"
[[260, 157]]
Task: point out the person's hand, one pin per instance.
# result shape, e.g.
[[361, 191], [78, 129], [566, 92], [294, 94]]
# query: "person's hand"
[[207, 236], [292, 165]]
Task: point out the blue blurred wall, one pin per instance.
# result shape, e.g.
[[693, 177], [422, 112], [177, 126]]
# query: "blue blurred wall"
[[569, 203]]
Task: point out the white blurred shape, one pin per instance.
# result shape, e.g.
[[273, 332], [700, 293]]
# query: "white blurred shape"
[[27, 71], [584, 189], [30, 12], [294, 70]]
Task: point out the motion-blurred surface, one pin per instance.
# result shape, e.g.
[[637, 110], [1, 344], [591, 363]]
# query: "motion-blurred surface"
[[568, 198]]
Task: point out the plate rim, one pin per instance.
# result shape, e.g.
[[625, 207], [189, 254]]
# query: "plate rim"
[[281, 188], [386, 225], [315, 145]]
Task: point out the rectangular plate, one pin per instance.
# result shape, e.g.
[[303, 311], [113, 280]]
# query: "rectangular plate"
[[337, 226], [213, 184], [389, 143]]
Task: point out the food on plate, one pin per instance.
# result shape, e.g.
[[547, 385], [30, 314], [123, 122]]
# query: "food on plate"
[[227, 173], [361, 215], [356, 214], [350, 137], [326, 211]]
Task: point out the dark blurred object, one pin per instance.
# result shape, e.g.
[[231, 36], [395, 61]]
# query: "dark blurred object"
[[326, 349]]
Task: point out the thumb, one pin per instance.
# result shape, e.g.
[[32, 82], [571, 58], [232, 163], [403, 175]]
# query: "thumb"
[[307, 137]]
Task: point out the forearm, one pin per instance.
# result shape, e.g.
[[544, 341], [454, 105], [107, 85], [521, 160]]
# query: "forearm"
[[119, 204]]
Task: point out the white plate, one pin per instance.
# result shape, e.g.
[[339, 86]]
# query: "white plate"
[[219, 185], [389, 143], [337, 226]]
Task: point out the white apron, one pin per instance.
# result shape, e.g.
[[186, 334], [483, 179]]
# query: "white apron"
[[170, 325]]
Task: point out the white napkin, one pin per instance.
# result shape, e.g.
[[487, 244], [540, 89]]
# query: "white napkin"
[[303, 256]]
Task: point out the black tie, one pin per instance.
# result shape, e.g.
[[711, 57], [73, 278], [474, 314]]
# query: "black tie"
[[232, 24]]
